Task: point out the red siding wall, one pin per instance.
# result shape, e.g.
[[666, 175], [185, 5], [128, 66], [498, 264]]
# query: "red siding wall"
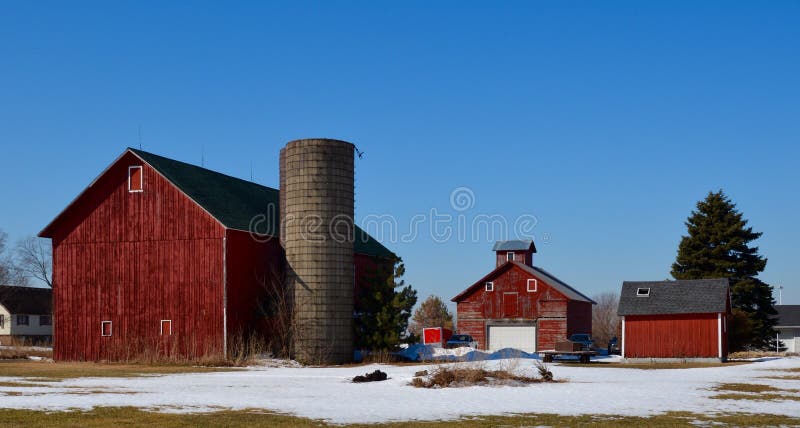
[[250, 264], [524, 257], [136, 259], [672, 336], [579, 317], [550, 307]]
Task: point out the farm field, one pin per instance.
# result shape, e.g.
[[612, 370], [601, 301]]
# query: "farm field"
[[764, 392]]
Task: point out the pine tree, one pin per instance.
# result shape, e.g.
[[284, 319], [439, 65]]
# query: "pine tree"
[[432, 312], [717, 246], [383, 308]]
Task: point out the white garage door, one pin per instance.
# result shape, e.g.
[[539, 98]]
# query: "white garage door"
[[516, 337]]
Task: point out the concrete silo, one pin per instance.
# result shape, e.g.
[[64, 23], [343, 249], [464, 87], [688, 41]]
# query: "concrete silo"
[[317, 204]]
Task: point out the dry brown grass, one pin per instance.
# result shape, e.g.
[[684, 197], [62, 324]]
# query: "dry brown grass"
[[760, 354], [460, 376], [756, 397], [128, 416], [750, 387], [39, 371], [751, 391], [788, 377], [22, 353]]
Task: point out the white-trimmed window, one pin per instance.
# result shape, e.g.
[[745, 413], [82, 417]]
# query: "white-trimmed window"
[[135, 179], [105, 328], [489, 286], [45, 320], [23, 320], [510, 256], [166, 328], [642, 292], [2, 321], [533, 285]]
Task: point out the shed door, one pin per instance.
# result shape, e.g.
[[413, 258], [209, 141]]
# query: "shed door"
[[515, 337], [510, 305]]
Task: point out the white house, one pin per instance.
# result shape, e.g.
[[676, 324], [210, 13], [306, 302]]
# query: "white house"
[[26, 315], [788, 326]]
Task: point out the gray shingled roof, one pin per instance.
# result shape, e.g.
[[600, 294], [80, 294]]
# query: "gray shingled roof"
[[699, 296], [788, 315], [26, 300], [517, 245]]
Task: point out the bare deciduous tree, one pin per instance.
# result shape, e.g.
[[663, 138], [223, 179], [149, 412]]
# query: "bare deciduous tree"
[[10, 273], [35, 260], [605, 320]]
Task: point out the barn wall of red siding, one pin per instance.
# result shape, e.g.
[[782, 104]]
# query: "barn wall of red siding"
[[672, 336], [252, 267], [579, 317], [524, 257], [136, 259], [551, 308]]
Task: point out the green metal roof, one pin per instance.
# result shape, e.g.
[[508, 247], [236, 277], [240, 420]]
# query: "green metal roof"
[[235, 202]]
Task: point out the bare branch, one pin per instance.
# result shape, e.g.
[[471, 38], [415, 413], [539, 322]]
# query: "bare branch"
[[35, 259], [605, 320]]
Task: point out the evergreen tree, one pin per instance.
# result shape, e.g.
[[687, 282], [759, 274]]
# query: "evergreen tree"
[[717, 246], [383, 308], [432, 312]]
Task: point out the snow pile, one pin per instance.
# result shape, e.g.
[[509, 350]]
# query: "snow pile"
[[420, 352]]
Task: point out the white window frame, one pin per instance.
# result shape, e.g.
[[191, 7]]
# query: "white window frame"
[[141, 178], [27, 319], [645, 294], [161, 327], [535, 283], [489, 286], [510, 256], [49, 318], [103, 328]]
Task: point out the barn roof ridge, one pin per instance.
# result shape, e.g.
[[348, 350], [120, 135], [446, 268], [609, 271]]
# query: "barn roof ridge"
[[26, 300], [560, 286], [514, 245], [231, 201], [694, 296]]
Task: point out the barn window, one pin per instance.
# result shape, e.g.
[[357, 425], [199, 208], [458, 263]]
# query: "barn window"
[[489, 286], [45, 320], [105, 328], [533, 284], [135, 179], [643, 292], [510, 257], [23, 320], [166, 327]]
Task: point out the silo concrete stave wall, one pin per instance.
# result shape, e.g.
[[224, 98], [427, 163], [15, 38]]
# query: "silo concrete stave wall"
[[317, 208]]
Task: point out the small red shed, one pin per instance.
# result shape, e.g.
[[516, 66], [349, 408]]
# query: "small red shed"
[[675, 319], [521, 306]]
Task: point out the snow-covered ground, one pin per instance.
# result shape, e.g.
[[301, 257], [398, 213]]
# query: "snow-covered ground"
[[327, 393]]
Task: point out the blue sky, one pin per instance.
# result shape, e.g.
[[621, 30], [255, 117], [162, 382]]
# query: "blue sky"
[[606, 121]]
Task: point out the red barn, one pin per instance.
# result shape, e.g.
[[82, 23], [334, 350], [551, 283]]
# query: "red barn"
[[685, 319], [521, 306], [157, 255]]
